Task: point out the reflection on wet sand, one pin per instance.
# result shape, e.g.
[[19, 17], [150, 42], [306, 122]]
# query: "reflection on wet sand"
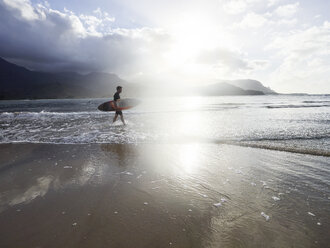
[[40, 189], [159, 195]]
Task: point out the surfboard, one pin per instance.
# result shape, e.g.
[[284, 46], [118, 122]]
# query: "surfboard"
[[122, 104]]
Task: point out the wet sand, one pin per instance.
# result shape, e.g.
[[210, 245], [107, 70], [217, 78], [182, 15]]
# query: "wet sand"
[[162, 195]]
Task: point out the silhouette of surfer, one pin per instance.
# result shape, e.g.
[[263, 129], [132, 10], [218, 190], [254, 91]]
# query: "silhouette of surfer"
[[116, 98]]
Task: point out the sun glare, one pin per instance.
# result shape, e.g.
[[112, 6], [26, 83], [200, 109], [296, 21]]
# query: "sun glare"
[[189, 158], [192, 33]]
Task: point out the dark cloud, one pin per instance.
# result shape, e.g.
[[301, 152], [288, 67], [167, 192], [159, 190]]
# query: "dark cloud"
[[29, 40], [45, 39]]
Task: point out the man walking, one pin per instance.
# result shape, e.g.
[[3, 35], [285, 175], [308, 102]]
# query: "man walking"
[[116, 98]]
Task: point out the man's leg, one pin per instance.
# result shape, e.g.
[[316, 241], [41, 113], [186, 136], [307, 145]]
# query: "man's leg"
[[122, 119], [115, 118]]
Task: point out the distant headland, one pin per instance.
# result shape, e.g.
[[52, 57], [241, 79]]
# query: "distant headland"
[[17, 82]]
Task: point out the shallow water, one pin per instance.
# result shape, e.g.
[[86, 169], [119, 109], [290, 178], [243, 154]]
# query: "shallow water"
[[283, 122]]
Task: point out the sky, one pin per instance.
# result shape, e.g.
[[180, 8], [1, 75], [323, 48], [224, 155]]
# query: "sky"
[[285, 44]]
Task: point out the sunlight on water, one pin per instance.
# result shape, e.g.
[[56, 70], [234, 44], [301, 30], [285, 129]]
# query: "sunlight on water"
[[189, 158], [190, 124]]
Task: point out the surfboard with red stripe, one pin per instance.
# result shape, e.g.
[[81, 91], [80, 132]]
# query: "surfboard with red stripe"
[[122, 104]]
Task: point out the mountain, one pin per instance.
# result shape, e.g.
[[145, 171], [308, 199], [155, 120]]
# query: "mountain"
[[249, 84], [17, 82], [224, 89]]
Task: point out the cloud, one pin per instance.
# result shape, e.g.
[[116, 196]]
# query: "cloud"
[[312, 41], [42, 38], [252, 20], [230, 61], [287, 22], [305, 56], [287, 10], [222, 56], [24, 8], [269, 20], [273, 2], [235, 6]]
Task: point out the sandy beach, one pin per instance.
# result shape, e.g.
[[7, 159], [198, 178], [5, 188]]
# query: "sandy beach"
[[161, 195]]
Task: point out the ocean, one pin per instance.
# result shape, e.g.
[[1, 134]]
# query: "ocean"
[[232, 171], [294, 123]]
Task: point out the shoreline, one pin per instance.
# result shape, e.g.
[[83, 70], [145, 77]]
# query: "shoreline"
[[263, 145]]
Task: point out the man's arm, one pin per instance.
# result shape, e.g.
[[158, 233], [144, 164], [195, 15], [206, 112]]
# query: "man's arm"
[[115, 103]]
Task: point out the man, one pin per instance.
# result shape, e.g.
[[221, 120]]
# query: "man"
[[116, 98]]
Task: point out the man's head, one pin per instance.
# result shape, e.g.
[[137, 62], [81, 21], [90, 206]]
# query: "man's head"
[[119, 89]]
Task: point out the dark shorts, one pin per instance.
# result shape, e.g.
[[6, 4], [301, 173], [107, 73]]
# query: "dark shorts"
[[118, 112]]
